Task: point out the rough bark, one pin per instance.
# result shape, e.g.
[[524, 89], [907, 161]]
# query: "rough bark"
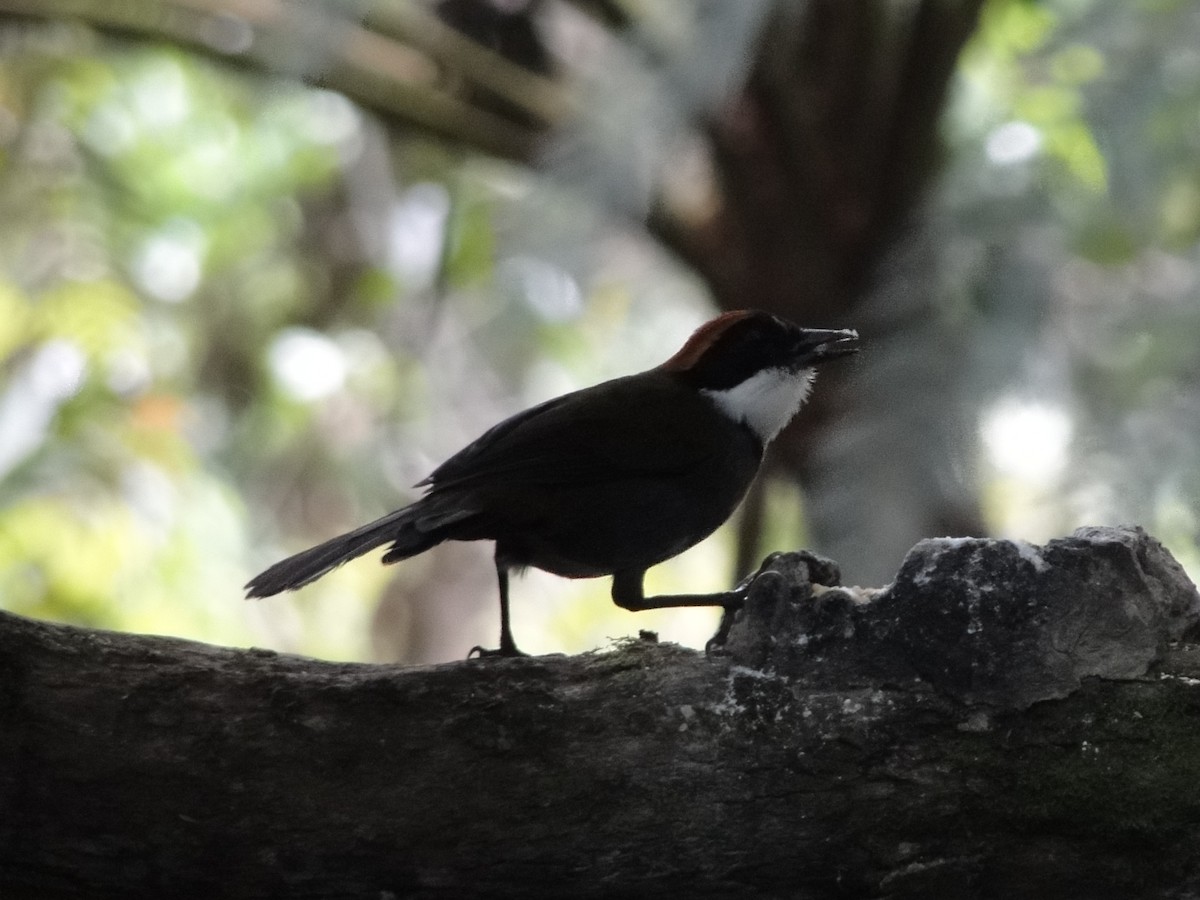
[[1003, 720]]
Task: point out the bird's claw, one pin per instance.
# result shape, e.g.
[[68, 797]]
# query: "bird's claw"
[[764, 568], [736, 599], [479, 652]]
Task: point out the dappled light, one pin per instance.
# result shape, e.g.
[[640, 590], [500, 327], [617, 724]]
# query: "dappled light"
[[1027, 440]]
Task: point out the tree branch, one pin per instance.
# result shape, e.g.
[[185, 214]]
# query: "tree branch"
[[901, 747], [399, 80]]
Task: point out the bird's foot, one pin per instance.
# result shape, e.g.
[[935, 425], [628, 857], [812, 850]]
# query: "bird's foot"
[[735, 600], [478, 652]]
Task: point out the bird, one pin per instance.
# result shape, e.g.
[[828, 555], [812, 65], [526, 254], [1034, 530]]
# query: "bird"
[[609, 480]]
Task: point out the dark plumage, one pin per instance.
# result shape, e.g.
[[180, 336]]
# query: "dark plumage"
[[611, 479]]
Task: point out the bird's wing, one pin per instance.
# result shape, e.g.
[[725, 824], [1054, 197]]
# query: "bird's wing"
[[590, 435]]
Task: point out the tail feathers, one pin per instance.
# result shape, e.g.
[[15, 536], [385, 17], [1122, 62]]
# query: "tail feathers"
[[423, 526], [399, 528]]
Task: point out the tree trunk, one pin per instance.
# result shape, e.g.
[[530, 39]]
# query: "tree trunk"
[[908, 746], [822, 160]]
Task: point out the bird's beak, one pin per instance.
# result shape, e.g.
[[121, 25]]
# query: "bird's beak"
[[819, 344]]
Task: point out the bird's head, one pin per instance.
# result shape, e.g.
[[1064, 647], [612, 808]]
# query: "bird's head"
[[756, 367]]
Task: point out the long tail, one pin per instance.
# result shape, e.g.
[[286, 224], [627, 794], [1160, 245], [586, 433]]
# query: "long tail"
[[401, 528]]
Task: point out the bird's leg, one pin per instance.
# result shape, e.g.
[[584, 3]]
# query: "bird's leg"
[[628, 593], [508, 647]]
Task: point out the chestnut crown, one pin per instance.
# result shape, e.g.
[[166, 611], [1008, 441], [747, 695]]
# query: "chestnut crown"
[[734, 347]]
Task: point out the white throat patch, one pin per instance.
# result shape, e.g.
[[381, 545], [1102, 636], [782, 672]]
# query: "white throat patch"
[[766, 401]]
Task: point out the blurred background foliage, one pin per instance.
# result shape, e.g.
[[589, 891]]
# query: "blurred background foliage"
[[263, 266]]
